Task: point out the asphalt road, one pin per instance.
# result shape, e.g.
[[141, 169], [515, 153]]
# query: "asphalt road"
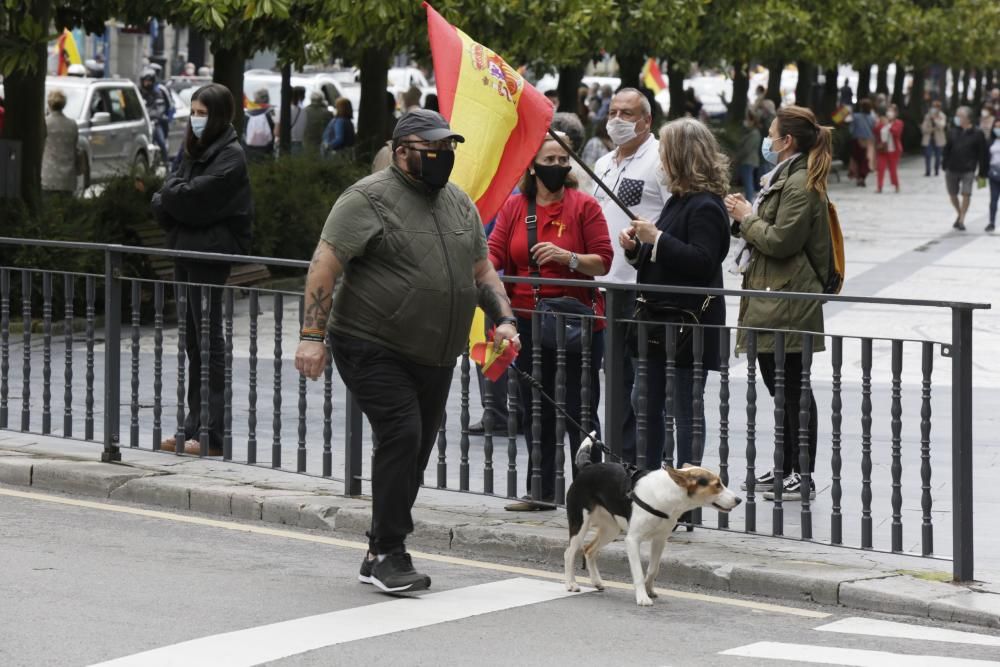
[[83, 582]]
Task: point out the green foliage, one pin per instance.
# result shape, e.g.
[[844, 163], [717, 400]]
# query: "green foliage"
[[292, 198]]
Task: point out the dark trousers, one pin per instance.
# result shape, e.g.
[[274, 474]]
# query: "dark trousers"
[[793, 392], [932, 150], [404, 402], [627, 430], [656, 414], [204, 273], [573, 405]]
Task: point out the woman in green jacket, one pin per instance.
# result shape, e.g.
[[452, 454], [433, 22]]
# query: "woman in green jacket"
[[786, 248]]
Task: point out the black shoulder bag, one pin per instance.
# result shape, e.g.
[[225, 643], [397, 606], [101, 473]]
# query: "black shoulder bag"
[[655, 315], [573, 310]]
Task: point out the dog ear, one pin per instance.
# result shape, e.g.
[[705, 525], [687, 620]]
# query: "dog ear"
[[680, 479]]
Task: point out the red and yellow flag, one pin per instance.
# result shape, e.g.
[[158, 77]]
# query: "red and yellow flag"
[[502, 117], [652, 77], [67, 53]]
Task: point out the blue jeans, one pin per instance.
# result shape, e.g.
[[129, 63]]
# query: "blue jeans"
[[929, 150], [747, 176], [994, 195], [656, 404]]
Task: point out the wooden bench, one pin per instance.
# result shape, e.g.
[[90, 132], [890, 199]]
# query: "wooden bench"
[[152, 235]]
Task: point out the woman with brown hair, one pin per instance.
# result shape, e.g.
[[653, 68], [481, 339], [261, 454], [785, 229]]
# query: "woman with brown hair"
[[339, 133], [685, 247], [786, 248]]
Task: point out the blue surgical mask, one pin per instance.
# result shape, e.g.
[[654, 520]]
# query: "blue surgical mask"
[[996, 132], [957, 121], [198, 124], [766, 151]]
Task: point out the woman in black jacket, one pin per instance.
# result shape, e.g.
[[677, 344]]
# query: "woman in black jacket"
[[206, 206], [685, 247]]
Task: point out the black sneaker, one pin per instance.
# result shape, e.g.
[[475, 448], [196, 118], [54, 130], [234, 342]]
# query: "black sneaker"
[[991, 227], [792, 488], [395, 574], [767, 479], [365, 575]]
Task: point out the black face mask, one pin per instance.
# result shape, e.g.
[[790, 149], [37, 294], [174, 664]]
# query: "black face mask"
[[435, 167], [553, 176]]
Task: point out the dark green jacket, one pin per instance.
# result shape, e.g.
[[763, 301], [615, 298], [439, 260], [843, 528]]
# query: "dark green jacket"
[[408, 255], [790, 235]]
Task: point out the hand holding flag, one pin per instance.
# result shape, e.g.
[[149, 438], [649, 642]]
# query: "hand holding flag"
[[494, 362]]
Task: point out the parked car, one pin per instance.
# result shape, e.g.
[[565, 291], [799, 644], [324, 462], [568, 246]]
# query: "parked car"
[[401, 78], [115, 134], [325, 83]]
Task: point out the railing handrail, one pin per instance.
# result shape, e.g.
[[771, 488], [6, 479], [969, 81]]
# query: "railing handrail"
[[658, 289]]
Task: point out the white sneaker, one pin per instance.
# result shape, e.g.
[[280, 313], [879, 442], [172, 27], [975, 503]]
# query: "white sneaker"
[[791, 489]]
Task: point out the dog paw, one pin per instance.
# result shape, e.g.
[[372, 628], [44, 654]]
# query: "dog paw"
[[643, 601], [572, 587], [598, 584], [651, 593]]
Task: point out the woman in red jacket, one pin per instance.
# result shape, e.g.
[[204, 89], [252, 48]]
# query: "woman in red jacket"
[[572, 243], [888, 145]]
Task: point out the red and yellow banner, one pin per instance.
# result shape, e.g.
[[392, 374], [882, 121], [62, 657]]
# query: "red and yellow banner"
[[502, 117], [67, 53], [652, 77]]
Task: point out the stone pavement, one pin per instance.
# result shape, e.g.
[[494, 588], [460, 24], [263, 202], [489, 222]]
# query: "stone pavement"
[[477, 526]]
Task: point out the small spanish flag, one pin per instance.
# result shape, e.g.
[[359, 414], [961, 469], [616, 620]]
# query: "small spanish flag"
[[502, 117], [493, 363], [652, 77]]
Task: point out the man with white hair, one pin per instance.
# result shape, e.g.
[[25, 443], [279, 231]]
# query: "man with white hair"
[[634, 173]]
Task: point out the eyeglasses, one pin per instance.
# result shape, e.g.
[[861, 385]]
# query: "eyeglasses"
[[441, 145]]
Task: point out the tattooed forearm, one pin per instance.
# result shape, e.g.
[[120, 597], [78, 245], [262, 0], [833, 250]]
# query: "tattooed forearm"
[[318, 304], [323, 273], [494, 302]]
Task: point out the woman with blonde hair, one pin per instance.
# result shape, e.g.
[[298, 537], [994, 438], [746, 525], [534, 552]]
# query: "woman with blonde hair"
[[787, 248], [684, 247]]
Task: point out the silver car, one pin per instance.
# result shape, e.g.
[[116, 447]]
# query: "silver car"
[[114, 128]]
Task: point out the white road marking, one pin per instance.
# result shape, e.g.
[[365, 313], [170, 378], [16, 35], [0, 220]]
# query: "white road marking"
[[436, 558], [829, 655], [878, 628], [254, 646]]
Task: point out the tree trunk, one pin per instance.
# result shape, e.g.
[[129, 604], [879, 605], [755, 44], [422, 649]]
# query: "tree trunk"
[[569, 85], [988, 81], [741, 84], [980, 88], [774, 69], [629, 68], [803, 89], [831, 93], [897, 85], [954, 97], [285, 137], [882, 79], [675, 82], [864, 81], [24, 119], [229, 64], [915, 104], [196, 48], [966, 75], [373, 125]]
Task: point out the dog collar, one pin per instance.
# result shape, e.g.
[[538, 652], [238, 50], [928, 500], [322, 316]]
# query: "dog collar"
[[646, 506]]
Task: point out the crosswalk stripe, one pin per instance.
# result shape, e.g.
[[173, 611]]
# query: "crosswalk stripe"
[[877, 628], [830, 655], [254, 646]]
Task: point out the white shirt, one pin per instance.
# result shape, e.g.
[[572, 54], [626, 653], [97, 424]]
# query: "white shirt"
[[640, 182]]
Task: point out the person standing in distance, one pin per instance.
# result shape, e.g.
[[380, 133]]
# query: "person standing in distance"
[[633, 172], [412, 253]]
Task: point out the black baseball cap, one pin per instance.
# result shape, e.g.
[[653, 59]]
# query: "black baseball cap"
[[426, 124]]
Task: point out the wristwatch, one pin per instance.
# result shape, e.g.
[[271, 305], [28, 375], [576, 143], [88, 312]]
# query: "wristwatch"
[[507, 320], [574, 261]]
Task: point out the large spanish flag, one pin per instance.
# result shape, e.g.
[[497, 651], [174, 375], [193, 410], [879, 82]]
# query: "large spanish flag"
[[502, 117], [66, 52], [652, 77]]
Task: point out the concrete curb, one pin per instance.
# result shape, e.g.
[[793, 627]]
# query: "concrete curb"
[[774, 575]]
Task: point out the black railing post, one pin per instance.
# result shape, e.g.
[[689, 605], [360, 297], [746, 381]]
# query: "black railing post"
[[961, 443], [112, 354], [614, 365], [352, 450]]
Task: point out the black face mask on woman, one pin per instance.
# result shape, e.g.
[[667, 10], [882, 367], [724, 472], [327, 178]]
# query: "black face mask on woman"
[[552, 176], [435, 167]]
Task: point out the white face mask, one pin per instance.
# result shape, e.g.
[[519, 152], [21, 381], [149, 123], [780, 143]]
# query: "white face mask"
[[621, 131]]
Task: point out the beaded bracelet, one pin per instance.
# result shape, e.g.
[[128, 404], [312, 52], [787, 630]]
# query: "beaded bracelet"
[[314, 335]]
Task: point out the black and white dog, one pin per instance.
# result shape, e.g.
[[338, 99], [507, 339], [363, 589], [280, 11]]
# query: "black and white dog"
[[604, 496]]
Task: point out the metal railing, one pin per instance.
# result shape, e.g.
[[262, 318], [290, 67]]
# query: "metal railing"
[[256, 325]]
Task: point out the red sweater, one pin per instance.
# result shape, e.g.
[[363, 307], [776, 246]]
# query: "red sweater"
[[576, 224], [896, 130]]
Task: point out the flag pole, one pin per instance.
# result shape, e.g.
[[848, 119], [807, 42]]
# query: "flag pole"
[[590, 172]]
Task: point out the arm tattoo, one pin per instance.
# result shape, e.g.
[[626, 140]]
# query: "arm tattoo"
[[318, 306], [494, 302]]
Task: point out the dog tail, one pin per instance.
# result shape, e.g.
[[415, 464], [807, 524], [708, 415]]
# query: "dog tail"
[[583, 454]]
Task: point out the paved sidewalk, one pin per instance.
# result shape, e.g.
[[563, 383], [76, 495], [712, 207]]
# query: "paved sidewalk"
[[478, 526]]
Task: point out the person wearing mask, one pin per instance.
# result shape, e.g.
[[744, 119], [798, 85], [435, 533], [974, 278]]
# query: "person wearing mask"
[[747, 156], [412, 253], [785, 246], [932, 137], [888, 146], [206, 206], [685, 246], [634, 172], [59, 158], [339, 133], [863, 141], [986, 118], [994, 174], [571, 242], [317, 117], [964, 153]]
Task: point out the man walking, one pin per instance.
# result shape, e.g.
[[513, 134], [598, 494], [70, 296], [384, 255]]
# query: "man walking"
[[411, 249], [633, 172], [964, 154]]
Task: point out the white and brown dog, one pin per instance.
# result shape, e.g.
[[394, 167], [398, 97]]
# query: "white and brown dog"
[[605, 497]]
